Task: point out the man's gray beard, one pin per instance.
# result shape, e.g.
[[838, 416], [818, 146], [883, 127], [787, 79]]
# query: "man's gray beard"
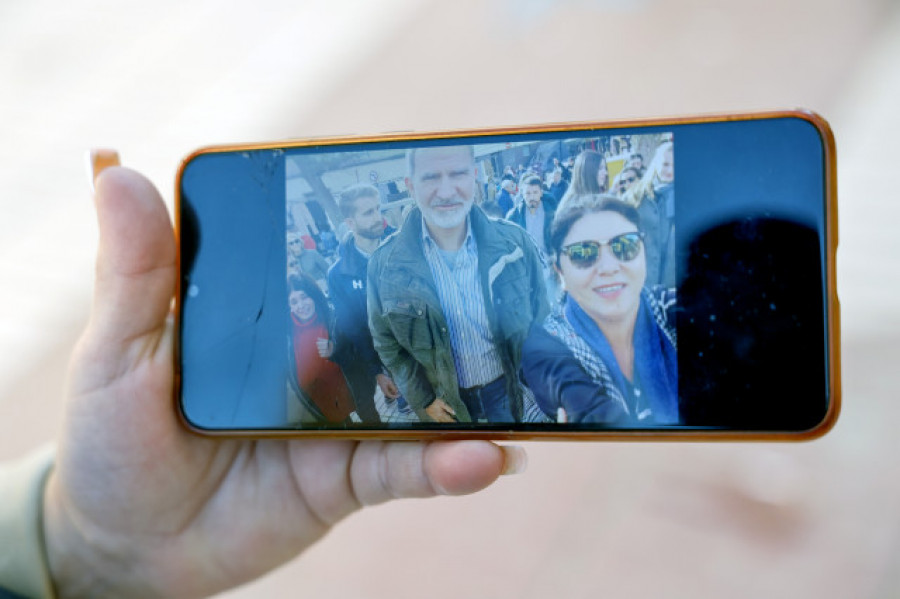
[[444, 220]]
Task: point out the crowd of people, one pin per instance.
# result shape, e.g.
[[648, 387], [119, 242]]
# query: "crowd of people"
[[548, 299]]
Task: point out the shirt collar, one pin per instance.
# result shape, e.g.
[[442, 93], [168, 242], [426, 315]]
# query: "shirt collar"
[[537, 211]]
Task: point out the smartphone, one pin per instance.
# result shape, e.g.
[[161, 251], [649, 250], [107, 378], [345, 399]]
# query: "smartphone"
[[543, 282]]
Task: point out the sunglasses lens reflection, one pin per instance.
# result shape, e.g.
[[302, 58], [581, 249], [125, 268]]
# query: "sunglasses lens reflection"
[[624, 247]]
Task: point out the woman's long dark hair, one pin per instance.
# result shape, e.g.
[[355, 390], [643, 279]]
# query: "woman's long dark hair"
[[584, 173], [305, 283]]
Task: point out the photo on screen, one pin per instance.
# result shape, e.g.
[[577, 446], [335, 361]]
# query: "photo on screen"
[[525, 280]]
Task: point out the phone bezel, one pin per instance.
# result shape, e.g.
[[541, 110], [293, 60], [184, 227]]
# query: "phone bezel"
[[832, 306]]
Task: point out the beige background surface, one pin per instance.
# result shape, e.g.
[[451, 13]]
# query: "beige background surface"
[[156, 80]]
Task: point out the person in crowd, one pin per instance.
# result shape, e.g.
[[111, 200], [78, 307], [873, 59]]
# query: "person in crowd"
[[452, 296], [492, 209], [535, 213], [328, 243], [294, 244], [558, 186], [506, 197], [625, 180], [310, 262], [360, 206], [567, 165], [293, 265], [318, 382], [654, 197], [608, 354], [636, 161], [589, 176], [113, 510]]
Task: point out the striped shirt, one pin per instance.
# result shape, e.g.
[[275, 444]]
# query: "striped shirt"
[[534, 224], [462, 300]]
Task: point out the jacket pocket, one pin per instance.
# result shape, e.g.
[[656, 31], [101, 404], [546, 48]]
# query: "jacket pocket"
[[409, 321], [512, 305]]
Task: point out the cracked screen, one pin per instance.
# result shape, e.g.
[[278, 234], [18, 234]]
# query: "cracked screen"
[[531, 281]]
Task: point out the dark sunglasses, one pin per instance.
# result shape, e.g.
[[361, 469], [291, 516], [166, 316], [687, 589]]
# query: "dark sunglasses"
[[625, 248]]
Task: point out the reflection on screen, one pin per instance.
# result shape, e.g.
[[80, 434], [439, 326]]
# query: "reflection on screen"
[[512, 282]]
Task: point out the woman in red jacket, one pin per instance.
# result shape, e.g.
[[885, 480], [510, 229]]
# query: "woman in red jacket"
[[319, 379]]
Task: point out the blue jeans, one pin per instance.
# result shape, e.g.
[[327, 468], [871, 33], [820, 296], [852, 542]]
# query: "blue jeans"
[[488, 403]]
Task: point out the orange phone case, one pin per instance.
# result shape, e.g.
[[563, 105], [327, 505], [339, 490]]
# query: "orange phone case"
[[832, 304]]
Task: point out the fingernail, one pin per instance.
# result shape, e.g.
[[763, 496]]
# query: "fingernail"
[[515, 460], [97, 161]]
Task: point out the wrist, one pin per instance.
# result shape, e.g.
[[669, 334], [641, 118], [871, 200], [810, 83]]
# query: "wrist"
[[67, 556], [23, 556], [83, 561]]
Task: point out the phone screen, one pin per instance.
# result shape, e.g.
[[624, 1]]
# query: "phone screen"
[[534, 281]]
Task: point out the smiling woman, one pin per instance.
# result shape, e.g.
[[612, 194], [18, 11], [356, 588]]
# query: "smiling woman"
[[607, 355], [317, 382]]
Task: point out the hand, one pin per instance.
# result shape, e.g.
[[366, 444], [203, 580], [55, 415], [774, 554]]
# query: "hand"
[[439, 411], [325, 347], [387, 385], [561, 416], [137, 506]]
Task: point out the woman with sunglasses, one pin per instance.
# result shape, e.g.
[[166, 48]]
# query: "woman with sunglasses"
[[607, 353]]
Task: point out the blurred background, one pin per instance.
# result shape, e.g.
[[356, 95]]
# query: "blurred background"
[[156, 80]]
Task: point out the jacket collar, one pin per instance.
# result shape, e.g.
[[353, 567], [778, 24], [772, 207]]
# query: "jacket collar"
[[408, 253], [352, 262]]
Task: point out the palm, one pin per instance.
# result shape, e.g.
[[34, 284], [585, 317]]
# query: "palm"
[[180, 514]]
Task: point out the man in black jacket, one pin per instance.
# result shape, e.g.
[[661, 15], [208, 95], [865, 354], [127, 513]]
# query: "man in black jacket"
[[354, 352], [559, 186], [536, 213]]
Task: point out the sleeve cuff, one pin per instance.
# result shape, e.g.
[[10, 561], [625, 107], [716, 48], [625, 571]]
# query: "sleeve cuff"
[[23, 556]]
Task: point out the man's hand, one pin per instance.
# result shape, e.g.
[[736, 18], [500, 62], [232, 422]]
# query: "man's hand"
[[137, 506], [387, 386], [439, 411]]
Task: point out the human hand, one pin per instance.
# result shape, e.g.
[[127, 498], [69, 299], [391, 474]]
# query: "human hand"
[[325, 347], [388, 386], [440, 411], [138, 506]]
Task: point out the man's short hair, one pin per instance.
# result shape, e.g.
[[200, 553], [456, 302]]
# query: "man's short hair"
[[411, 156], [348, 197], [532, 180]]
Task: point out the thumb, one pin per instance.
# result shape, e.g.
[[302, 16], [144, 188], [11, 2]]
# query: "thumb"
[[136, 272]]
